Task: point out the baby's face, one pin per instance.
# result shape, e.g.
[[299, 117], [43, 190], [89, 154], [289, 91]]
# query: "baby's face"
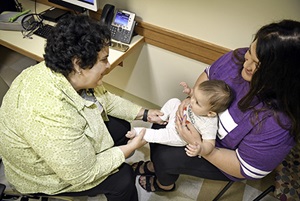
[[199, 103]]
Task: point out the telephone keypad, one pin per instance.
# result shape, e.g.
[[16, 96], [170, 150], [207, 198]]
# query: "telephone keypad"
[[120, 34]]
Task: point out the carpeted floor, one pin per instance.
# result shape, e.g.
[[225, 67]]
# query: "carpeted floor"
[[188, 188]]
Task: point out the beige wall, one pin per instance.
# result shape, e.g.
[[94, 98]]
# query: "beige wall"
[[154, 74]]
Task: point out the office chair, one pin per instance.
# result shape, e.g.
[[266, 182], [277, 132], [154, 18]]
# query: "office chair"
[[287, 179]]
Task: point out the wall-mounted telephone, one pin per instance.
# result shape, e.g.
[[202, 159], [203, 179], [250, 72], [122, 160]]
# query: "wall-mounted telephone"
[[121, 23]]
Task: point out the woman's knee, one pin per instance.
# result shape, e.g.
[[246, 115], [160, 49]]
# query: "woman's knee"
[[123, 187], [126, 178], [166, 155], [117, 129], [126, 183]]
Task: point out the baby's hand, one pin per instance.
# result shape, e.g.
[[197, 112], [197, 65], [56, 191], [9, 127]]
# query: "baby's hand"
[[193, 150], [186, 89]]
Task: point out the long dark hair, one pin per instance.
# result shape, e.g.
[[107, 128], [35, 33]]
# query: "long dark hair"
[[276, 82]]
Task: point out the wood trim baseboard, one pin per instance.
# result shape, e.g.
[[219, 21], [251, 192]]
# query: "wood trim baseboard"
[[179, 43]]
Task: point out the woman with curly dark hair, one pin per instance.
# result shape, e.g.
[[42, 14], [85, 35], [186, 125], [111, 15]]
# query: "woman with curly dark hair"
[[61, 131]]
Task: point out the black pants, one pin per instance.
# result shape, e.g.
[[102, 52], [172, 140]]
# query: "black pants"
[[169, 162], [121, 185]]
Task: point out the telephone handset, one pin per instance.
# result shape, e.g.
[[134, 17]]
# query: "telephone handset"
[[107, 14], [121, 23]]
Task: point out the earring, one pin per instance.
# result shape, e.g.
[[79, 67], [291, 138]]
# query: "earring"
[[79, 72]]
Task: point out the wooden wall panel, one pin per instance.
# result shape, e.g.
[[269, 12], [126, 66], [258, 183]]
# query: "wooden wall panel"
[[179, 43]]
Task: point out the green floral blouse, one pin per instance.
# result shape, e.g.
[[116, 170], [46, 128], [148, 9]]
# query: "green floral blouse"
[[54, 141]]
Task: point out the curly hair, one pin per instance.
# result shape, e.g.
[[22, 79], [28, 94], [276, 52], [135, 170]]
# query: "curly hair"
[[75, 37]]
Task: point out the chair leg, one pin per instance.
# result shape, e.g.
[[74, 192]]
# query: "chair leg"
[[44, 199], [2, 188], [223, 190], [263, 194]]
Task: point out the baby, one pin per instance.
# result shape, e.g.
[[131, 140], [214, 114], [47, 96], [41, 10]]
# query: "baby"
[[207, 100]]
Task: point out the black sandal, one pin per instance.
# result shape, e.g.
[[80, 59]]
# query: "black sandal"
[[137, 166], [153, 186]]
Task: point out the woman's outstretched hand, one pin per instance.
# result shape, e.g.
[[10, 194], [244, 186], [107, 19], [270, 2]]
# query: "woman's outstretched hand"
[[154, 117], [134, 143], [138, 140]]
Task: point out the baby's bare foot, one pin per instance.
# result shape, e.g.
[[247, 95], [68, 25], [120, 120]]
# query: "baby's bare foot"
[[131, 134]]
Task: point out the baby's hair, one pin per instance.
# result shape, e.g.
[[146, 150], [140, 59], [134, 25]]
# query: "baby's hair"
[[218, 93]]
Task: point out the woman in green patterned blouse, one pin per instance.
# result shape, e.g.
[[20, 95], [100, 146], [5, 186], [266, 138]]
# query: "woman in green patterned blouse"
[[61, 131]]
